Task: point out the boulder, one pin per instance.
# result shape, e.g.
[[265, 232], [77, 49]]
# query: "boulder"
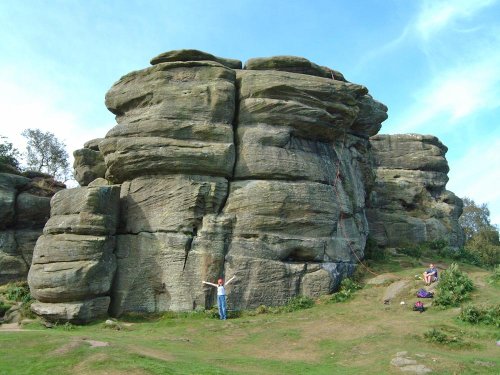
[[88, 165], [9, 185], [293, 64], [174, 117], [32, 211], [74, 263], [409, 203], [371, 115], [24, 210], [78, 312], [194, 55]]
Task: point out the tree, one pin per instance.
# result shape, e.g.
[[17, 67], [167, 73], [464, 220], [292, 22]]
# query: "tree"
[[474, 218], [482, 240], [8, 156], [45, 153]]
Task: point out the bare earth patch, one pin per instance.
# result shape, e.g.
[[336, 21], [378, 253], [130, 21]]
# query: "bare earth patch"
[[76, 343], [11, 327], [152, 353]]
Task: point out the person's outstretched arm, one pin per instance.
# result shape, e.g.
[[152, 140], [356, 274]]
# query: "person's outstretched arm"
[[206, 282], [231, 279]]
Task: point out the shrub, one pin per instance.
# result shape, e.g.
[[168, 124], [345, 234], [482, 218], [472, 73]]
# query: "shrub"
[[347, 289], [486, 254], [439, 337], [462, 254], [298, 303], [486, 314], [494, 278], [373, 251], [412, 250], [438, 244], [18, 292], [4, 307], [453, 287], [261, 309]]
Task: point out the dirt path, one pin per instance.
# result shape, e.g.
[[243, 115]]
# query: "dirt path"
[[14, 327]]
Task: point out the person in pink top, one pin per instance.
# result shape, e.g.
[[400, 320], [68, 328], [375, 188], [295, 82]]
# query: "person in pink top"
[[221, 296]]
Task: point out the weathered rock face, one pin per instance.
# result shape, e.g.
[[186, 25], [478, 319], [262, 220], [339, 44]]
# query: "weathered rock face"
[[89, 163], [262, 173], [258, 172], [409, 203], [24, 210], [74, 262]]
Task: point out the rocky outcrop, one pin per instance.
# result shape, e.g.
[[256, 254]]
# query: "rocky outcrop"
[[259, 172], [24, 210], [89, 163], [409, 203], [74, 262], [262, 172]]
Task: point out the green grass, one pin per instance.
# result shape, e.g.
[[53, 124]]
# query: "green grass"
[[358, 336]]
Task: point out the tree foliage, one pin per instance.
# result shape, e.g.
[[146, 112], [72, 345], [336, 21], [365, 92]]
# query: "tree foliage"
[[482, 238], [8, 156], [45, 153], [475, 218]]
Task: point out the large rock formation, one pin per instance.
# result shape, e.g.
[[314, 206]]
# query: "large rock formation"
[[24, 210], [409, 203], [261, 172]]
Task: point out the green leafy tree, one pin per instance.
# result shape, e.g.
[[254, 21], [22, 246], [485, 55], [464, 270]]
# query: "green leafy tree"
[[482, 239], [45, 153], [8, 156], [485, 246], [475, 218]]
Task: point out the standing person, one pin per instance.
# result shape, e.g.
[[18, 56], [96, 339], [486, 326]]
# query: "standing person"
[[430, 275], [221, 296]]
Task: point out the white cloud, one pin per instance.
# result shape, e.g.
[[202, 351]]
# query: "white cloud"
[[436, 15], [29, 102], [476, 175], [454, 94]]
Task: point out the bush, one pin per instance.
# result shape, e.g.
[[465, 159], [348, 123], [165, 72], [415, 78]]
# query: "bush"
[[373, 251], [494, 278], [414, 251], [438, 244], [439, 337], [453, 287], [4, 307], [485, 314], [462, 255], [347, 289], [18, 292], [486, 254], [298, 303]]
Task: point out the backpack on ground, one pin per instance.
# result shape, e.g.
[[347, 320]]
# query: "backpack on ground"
[[419, 306], [422, 293]]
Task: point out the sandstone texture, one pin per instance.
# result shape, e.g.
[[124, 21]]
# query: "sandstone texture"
[[24, 210], [409, 203], [74, 262], [213, 171]]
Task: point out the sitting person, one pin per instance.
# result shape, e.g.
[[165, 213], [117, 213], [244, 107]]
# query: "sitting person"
[[430, 275]]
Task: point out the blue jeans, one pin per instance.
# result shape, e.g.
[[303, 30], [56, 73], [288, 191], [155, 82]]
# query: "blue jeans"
[[221, 302]]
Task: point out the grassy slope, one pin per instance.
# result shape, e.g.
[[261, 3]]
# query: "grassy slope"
[[360, 336]]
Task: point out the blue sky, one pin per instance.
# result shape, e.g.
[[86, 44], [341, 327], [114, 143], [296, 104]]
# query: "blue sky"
[[435, 64]]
